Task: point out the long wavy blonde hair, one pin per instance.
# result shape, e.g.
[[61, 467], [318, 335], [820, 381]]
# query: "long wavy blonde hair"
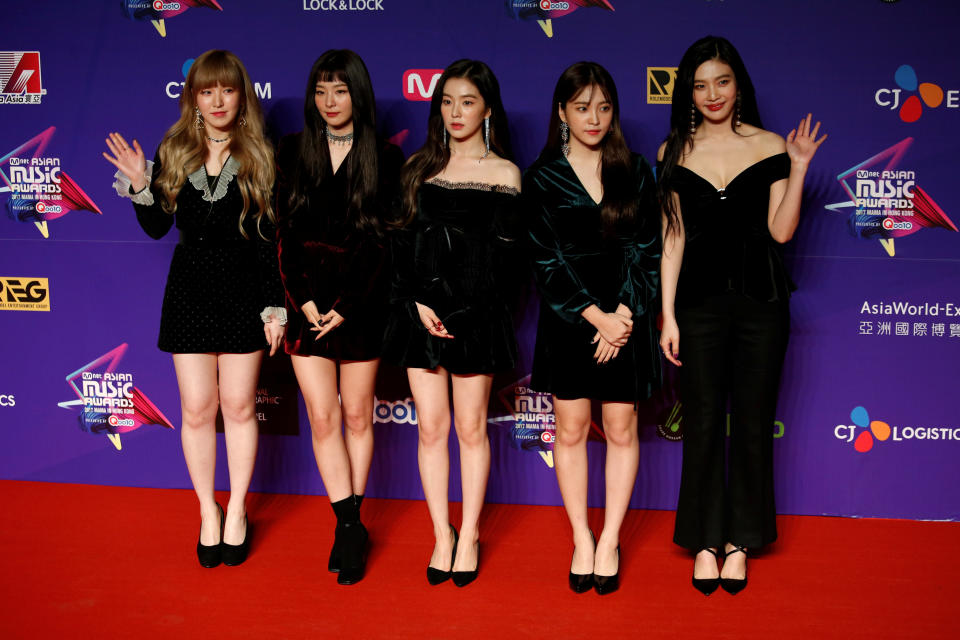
[[184, 147]]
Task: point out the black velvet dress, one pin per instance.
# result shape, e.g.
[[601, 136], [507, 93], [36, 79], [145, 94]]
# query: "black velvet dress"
[[457, 257], [219, 281], [576, 265], [325, 259]]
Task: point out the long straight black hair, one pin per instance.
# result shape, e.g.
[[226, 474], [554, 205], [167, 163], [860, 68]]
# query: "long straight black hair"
[[617, 175], [314, 165], [680, 141], [433, 156]]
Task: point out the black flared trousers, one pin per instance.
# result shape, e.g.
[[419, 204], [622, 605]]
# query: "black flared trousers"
[[732, 349]]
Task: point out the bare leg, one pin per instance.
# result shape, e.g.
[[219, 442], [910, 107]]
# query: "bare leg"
[[471, 393], [318, 383], [623, 457], [429, 388], [239, 373], [357, 381], [570, 461], [197, 379]]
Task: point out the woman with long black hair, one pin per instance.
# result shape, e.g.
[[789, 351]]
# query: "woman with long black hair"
[[731, 195], [595, 233], [336, 180], [452, 323]]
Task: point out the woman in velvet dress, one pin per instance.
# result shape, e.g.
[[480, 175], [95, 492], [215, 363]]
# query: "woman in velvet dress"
[[452, 324], [595, 233], [212, 177], [335, 183], [731, 196]]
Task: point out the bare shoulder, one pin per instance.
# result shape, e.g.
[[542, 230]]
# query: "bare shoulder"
[[767, 143], [661, 150], [502, 171]]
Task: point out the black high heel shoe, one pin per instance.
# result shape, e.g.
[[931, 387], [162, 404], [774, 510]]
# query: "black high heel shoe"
[[210, 555], [236, 554], [582, 582], [608, 584], [734, 586], [436, 576], [463, 578], [706, 586]]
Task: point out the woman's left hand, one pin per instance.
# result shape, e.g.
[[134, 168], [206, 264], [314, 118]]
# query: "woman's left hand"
[[274, 332], [605, 351], [328, 322], [802, 143]]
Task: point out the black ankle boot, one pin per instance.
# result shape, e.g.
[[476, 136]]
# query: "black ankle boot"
[[333, 563], [350, 542]]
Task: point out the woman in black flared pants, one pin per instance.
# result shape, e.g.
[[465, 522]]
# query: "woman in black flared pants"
[[731, 195]]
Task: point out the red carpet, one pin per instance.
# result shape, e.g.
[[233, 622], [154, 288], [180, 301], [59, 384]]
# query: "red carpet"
[[103, 562]]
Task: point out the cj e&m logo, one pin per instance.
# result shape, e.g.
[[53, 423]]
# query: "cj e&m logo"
[[905, 97], [8, 401], [20, 77], [24, 294], [343, 5], [174, 88], [660, 82], [418, 84]]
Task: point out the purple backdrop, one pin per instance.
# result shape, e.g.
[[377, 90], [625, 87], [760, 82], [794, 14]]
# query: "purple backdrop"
[[867, 421]]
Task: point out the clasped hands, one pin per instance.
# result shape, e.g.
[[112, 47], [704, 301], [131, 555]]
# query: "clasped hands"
[[322, 324], [613, 331]]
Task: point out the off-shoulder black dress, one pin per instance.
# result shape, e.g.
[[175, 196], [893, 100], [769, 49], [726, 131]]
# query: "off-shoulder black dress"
[[576, 265], [457, 257], [326, 259], [219, 281]]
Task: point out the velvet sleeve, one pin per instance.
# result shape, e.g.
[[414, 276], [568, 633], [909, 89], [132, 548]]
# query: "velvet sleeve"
[[271, 284], [151, 216], [558, 283], [403, 288], [291, 257], [369, 259], [640, 272]]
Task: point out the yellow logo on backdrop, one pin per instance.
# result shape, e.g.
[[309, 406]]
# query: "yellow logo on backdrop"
[[660, 84], [24, 294]]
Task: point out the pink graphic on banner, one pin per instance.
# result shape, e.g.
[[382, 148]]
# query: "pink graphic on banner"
[[544, 11], [111, 404], [156, 11]]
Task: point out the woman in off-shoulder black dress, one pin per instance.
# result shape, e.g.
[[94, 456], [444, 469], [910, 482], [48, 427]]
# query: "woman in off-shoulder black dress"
[[336, 181], [223, 303], [731, 194], [451, 323]]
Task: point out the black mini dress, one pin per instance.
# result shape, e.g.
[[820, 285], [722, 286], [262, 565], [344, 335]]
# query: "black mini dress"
[[459, 258]]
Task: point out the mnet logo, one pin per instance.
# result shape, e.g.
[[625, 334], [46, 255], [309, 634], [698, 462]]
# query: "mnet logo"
[[20, 77], [174, 88], [660, 82], [24, 294], [7, 401], [418, 84]]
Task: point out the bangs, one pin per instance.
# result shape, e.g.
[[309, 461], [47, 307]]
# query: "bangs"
[[587, 89], [331, 75], [217, 68]]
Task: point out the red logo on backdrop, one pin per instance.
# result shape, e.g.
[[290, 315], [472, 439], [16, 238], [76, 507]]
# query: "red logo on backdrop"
[[418, 84], [20, 77]]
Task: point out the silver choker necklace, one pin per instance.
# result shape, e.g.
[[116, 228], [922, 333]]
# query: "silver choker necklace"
[[343, 140], [218, 139]]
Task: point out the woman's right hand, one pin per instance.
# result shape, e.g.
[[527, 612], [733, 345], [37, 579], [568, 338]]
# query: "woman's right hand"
[[613, 327], [431, 322], [309, 309], [129, 160], [670, 340]]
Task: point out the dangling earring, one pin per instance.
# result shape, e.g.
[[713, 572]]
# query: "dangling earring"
[[198, 123], [486, 136], [444, 137], [693, 118], [737, 122], [564, 138], [242, 121]]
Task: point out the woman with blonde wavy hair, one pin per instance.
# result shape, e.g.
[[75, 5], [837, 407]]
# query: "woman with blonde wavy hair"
[[212, 177]]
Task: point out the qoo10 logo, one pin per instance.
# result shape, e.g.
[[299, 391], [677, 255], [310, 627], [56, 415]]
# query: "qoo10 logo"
[[546, 5], [159, 5]]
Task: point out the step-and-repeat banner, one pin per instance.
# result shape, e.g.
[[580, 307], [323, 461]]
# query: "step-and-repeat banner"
[[868, 420]]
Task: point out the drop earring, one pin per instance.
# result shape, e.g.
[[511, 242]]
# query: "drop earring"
[[737, 122], [242, 121], [693, 118], [486, 137], [564, 138], [198, 123], [444, 137]]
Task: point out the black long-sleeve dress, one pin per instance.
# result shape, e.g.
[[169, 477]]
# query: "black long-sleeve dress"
[[576, 265], [219, 281], [457, 258], [324, 258]]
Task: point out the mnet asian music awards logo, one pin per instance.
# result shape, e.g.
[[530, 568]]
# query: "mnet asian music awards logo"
[[174, 88], [157, 12], [911, 95], [20, 77], [109, 402], [24, 294], [418, 84], [864, 432], [660, 81], [545, 11], [534, 425]]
